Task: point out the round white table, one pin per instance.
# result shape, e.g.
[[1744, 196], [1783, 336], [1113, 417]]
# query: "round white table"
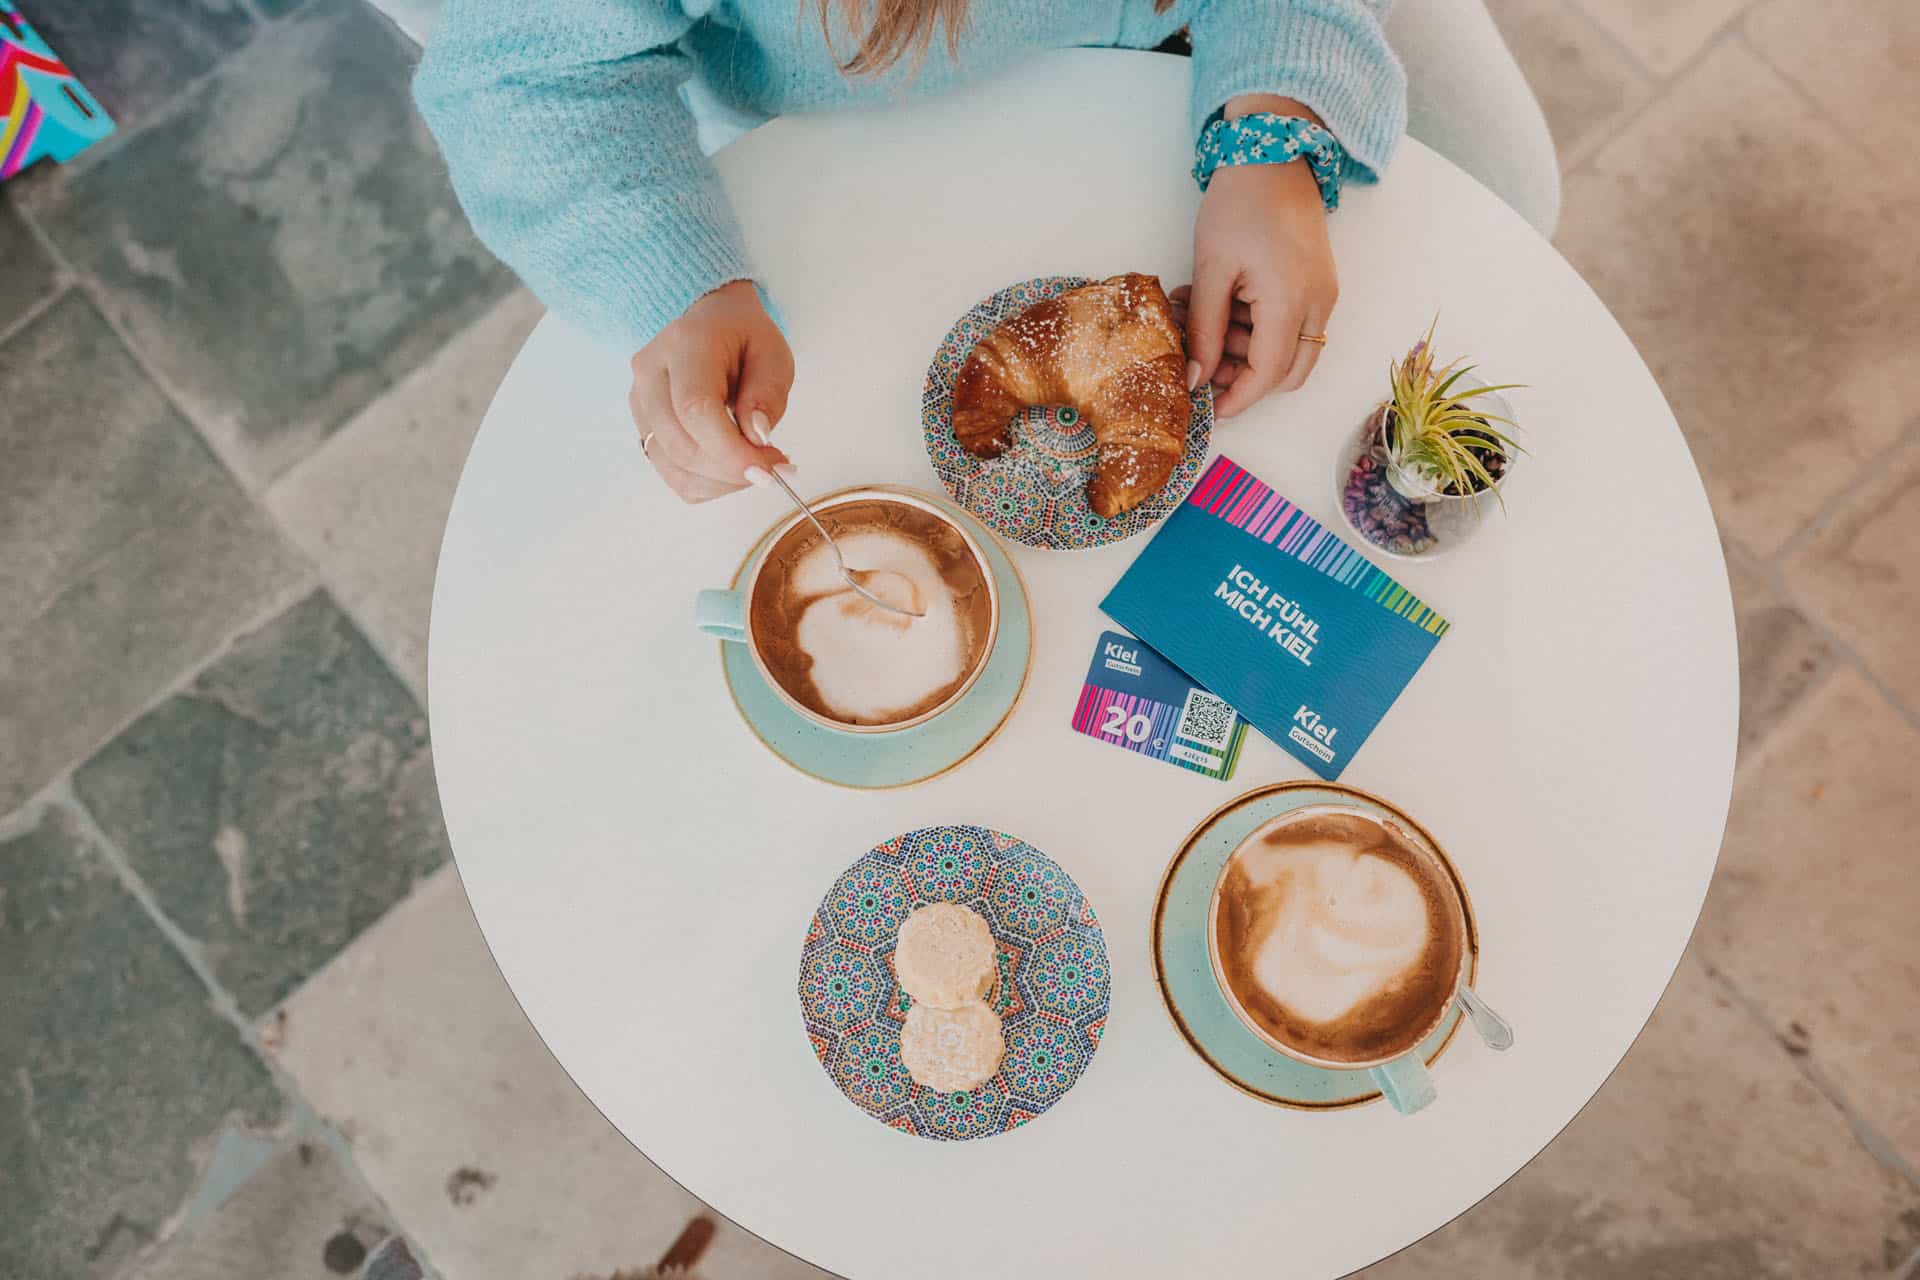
[[644, 870]]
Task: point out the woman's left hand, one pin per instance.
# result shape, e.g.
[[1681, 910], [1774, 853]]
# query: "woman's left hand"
[[1262, 275]]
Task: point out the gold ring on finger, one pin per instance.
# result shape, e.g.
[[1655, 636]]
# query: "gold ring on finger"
[[1320, 338]]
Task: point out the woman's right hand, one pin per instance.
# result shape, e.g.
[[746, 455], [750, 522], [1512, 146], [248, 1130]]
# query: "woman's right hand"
[[708, 392]]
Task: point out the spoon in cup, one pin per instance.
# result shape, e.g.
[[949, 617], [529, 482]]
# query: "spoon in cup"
[[1495, 1030], [852, 577]]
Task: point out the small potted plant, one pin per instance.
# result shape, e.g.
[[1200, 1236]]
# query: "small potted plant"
[[1413, 476]]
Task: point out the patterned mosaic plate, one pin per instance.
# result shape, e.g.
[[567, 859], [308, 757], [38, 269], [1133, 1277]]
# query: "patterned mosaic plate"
[[1051, 994], [1035, 493]]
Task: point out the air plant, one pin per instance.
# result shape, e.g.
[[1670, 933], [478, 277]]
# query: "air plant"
[[1439, 445]]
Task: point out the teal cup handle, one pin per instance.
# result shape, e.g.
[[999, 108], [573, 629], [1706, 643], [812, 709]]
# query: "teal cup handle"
[[722, 614], [1405, 1083]]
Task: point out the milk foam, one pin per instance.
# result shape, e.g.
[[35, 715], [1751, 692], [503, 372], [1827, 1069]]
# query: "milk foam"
[[870, 664], [1345, 926]]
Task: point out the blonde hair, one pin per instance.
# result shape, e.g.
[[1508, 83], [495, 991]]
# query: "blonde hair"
[[895, 26]]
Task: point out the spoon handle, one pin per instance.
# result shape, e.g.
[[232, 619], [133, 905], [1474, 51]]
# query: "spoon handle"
[[807, 511], [1494, 1029], [846, 574]]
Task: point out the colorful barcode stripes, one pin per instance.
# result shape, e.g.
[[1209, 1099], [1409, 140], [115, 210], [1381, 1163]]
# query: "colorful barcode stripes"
[[1096, 710], [1093, 713], [1230, 492]]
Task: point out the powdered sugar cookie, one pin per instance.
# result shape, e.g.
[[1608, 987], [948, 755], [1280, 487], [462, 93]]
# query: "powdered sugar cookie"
[[951, 1049], [945, 956]]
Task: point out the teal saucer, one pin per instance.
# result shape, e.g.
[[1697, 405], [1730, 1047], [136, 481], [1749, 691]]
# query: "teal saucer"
[[1185, 973], [877, 760]]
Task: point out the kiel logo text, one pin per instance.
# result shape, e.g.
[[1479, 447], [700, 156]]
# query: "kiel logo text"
[[1313, 733]]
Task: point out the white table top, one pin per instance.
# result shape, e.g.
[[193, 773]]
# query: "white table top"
[[644, 870]]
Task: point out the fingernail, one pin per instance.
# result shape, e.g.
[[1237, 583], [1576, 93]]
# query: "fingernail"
[[785, 469], [762, 427], [1193, 374], [758, 476]]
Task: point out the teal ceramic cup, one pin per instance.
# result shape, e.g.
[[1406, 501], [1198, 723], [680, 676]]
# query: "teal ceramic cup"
[[723, 614], [1403, 1079]]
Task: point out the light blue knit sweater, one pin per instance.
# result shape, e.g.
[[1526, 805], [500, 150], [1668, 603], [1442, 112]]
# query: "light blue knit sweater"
[[575, 155]]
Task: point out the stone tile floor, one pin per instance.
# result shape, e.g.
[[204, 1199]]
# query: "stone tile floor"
[[249, 1026]]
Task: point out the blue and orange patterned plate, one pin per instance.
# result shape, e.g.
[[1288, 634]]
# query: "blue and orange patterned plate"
[[1051, 993], [1035, 493]]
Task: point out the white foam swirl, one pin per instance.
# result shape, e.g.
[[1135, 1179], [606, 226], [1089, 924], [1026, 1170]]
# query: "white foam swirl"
[[869, 664], [1345, 925]]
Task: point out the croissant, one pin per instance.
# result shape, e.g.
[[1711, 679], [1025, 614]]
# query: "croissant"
[[1111, 352]]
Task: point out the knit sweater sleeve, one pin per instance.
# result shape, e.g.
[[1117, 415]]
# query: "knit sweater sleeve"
[[575, 158], [1330, 54]]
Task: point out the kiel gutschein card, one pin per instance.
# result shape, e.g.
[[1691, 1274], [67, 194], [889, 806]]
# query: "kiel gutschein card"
[[1135, 699], [1272, 611]]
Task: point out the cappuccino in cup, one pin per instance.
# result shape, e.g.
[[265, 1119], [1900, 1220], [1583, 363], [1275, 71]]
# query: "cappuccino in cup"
[[839, 658], [1338, 937]]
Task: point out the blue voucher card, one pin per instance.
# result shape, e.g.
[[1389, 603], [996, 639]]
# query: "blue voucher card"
[[1261, 604], [1135, 699]]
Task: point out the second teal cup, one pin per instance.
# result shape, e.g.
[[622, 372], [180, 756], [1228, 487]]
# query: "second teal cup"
[[1403, 1079]]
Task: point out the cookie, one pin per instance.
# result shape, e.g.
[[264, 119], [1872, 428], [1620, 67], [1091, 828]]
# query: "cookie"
[[945, 956], [951, 1049]]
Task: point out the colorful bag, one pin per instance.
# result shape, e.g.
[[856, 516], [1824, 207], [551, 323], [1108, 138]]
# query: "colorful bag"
[[46, 111]]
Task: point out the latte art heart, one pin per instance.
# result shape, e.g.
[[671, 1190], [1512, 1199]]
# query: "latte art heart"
[[1339, 936], [1347, 926], [870, 665], [847, 659]]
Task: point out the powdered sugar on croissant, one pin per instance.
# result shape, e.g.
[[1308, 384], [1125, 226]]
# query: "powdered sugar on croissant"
[[1110, 351]]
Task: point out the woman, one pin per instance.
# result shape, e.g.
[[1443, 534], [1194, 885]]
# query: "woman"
[[576, 156]]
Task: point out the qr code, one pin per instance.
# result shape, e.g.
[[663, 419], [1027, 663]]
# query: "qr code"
[[1206, 720]]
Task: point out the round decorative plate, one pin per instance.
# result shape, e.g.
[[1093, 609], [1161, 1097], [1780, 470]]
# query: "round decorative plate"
[[1035, 493], [870, 761], [1192, 995], [1051, 991]]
